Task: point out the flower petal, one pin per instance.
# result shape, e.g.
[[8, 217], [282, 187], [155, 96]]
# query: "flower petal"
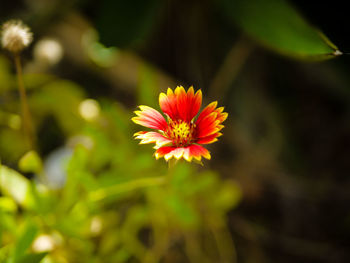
[[197, 151], [162, 151], [209, 120], [169, 152], [181, 102], [209, 139], [188, 103], [206, 111], [150, 118], [188, 153], [196, 104], [168, 104], [208, 126], [222, 116], [152, 137], [176, 153]]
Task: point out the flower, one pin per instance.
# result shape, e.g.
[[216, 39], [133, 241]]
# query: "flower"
[[182, 134], [15, 36]]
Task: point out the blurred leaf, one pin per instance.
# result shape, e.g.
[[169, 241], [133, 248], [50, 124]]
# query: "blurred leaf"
[[62, 99], [109, 241], [119, 115], [30, 163], [10, 120], [11, 145], [77, 176], [7, 222], [77, 168], [4, 253], [98, 53], [7, 204], [137, 217], [183, 211], [229, 196], [101, 147], [16, 186], [45, 200], [203, 183], [121, 255], [25, 240], [32, 258], [32, 81], [9, 81], [277, 25], [127, 186], [114, 15]]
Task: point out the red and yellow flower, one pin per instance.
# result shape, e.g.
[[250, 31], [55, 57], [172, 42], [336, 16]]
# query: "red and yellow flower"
[[182, 134]]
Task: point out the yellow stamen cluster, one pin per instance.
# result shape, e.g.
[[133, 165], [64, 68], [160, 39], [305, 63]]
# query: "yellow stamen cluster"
[[180, 132]]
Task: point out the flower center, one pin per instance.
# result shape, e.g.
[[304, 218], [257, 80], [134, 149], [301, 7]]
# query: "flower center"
[[180, 132]]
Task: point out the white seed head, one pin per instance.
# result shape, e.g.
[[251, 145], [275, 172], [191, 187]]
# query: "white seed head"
[[15, 36]]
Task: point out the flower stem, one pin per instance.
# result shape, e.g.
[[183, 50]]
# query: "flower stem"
[[26, 117], [171, 163], [231, 67]]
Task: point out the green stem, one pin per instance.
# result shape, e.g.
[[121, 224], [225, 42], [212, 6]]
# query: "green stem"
[[171, 167], [224, 242], [126, 187], [26, 117], [171, 163]]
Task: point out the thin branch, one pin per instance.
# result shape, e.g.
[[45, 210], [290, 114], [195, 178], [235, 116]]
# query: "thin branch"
[[231, 66]]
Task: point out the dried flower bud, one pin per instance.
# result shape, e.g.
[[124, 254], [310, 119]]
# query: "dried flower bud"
[[15, 36]]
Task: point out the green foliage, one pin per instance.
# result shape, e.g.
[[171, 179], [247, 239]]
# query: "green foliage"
[[117, 202], [7, 204], [278, 26], [30, 163], [45, 102], [16, 186], [25, 239], [32, 258]]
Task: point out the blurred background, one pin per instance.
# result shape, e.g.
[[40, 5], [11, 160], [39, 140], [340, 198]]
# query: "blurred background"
[[276, 188]]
